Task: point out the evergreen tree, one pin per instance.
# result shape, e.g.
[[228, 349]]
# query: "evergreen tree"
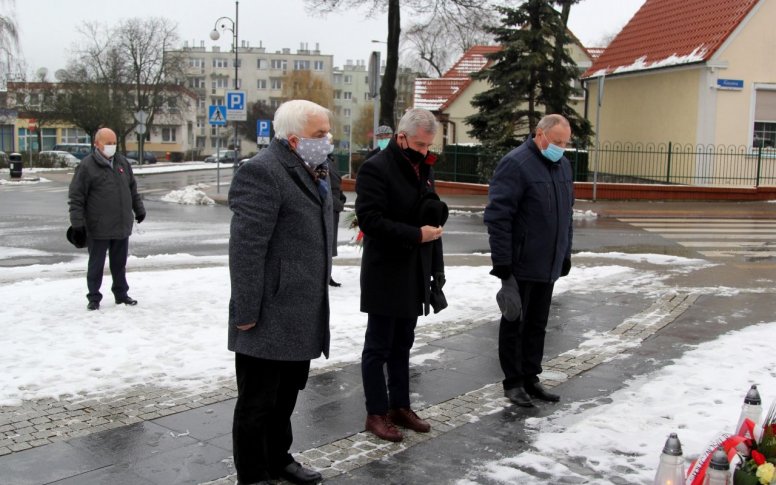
[[529, 78]]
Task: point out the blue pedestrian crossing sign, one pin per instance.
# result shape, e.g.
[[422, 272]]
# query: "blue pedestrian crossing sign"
[[235, 106], [262, 132], [216, 115]]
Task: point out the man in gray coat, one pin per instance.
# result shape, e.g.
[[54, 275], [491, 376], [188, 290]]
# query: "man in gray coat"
[[102, 198], [279, 264]]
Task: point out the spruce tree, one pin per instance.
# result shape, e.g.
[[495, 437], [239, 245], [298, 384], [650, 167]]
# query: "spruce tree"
[[528, 77]]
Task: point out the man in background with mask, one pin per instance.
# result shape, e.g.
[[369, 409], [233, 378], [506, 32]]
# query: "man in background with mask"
[[400, 256], [102, 198], [383, 135], [529, 220], [279, 264]]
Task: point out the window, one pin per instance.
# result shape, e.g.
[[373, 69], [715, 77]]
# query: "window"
[[764, 134], [220, 62], [765, 118], [337, 78], [276, 83], [48, 138], [347, 95], [348, 79], [275, 102], [261, 84], [347, 112], [367, 97], [279, 64], [318, 65], [201, 103], [168, 135], [196, 62], [301, 65], [220, 82], [74, 135], [337, 94], [196, 82], [218, 101], [366, 79], [346, 129], [261, 64]]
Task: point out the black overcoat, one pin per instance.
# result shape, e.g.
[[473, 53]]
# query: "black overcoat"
[[396, 268]]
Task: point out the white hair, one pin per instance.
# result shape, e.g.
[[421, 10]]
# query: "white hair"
[[291, 117], [550, 121], [417, 119]]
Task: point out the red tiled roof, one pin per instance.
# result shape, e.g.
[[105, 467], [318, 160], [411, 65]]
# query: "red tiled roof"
[[435, 94], [671, 32]]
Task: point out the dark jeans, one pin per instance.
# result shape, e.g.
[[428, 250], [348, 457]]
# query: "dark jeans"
[[387, 342], [261, 430], [117, 250], [521, 342]]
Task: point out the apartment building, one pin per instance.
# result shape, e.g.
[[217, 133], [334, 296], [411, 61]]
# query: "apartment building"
[[210, 74]]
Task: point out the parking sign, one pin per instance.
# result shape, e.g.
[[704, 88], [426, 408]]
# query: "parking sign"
[[262, 132], [235, 106]]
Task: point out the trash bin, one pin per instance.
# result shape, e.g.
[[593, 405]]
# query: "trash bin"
[[15, 164]]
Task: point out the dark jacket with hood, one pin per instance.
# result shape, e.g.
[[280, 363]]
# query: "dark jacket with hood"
[[396, 268], [529, 214], [103, 199]]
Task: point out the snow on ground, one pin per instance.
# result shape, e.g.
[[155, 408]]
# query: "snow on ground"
[[621, 435], [176, 336], [190, 195]]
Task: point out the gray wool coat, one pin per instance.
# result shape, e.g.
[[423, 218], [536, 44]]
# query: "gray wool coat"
[[279, 258]]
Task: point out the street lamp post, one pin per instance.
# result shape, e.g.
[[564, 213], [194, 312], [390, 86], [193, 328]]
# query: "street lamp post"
[[215, 36]]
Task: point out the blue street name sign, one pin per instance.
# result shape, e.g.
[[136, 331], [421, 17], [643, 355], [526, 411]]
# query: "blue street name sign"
[[736, 84]]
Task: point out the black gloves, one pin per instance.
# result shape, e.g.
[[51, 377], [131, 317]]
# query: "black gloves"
[[503, 271], [564, 270], [77, 236], [439, 280], [508, 299], [140, 217], [437, 297]]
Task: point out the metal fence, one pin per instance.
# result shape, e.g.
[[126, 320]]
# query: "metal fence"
[[669, 163]]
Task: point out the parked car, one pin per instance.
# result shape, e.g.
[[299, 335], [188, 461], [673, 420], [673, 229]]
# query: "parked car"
[[57, 159], [223, 156], [148, 157], [79, 150]]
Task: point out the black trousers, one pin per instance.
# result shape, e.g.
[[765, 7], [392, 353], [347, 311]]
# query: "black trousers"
[[261, 430], [387, 343], [117, 250], [521, 342]]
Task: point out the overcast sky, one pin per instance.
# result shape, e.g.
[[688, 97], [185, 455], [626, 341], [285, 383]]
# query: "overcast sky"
[[48, 29]]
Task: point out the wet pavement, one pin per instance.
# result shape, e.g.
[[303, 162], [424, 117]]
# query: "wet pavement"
[[157, 437]]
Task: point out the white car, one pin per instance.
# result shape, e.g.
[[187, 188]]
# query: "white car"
[[58, 159]]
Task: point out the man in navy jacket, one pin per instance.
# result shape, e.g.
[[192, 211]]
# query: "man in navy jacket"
[[529, 220]]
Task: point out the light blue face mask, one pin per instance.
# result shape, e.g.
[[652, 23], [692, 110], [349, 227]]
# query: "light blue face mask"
[[383, 143], [553, 152]]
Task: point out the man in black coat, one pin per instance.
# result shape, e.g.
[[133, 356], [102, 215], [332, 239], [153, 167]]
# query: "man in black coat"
[[338, 200], [102, 198], [401, 254], [279, 266], [529, 220]]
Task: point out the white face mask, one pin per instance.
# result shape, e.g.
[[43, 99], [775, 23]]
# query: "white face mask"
[[109, 150]]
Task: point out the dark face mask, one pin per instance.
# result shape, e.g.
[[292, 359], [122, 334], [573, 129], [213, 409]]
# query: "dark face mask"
[[414, 155]]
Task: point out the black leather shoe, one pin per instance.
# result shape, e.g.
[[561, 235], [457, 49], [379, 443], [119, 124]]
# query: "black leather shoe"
[[334, 283], [519, 397], [126, 300], [296, 473], [93, 305], [538, 391]]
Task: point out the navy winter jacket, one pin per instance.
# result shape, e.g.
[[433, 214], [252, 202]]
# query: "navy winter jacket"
[[529, 214]]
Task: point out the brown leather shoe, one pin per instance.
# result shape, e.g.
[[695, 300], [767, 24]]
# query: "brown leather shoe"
[[381, 426], [406, 418]]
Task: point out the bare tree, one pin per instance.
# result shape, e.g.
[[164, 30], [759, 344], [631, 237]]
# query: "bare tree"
[[433, 45], [135, 68], [445, 11], [9, 41], [303, 84]]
